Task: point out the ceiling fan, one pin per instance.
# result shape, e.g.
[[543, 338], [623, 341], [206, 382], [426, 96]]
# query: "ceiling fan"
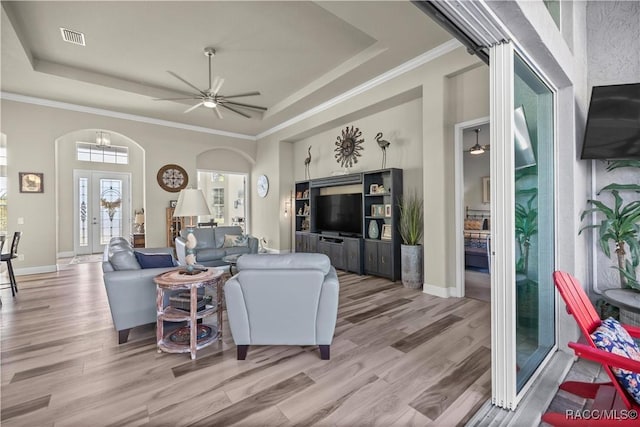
[[477, 148], [211, 98]]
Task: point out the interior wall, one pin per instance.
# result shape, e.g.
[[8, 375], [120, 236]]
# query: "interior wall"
[[436, 121], [67, 163], [162, 145], [466, 98], [400, 125], [265, 211], [475, 166]]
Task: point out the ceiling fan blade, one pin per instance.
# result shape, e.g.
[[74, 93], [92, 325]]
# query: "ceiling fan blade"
[[185, 82], [190, 109], [243, 94], [235, 111], [218, 113], [214, 84], [254, 107], [218, 82], [175, 99]]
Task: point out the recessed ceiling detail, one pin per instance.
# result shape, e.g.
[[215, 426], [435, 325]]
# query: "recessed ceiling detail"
[[299, 54], [73, 37]]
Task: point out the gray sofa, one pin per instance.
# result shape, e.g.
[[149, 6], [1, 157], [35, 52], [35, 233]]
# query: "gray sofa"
[[210, 247], [289, 299], [131, 290]]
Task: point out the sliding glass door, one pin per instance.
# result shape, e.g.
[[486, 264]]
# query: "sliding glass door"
[[534, 219], [523, 234]]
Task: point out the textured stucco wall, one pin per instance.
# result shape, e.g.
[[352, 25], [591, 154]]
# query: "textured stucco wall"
[[613, 55], [613, 35]]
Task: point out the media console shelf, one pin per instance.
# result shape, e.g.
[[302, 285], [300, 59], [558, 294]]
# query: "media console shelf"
[[372, 253]]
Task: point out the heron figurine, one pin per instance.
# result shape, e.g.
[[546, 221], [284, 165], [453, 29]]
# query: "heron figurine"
[[307, 161], [383, 144]]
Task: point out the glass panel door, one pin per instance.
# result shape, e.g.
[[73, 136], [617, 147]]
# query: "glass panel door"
[[101, 209], [534, 219]]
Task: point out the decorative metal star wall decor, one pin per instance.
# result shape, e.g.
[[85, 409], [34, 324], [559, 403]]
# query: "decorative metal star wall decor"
[[348, 147]]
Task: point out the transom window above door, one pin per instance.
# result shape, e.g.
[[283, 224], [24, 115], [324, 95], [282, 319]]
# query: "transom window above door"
[[90, 152]]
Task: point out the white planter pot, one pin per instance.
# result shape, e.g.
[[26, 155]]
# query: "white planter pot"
[[411, 261]]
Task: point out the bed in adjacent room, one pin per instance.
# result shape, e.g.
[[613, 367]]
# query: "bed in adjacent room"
[[477, 239]]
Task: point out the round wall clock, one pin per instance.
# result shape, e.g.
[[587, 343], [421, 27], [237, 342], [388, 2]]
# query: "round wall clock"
[[263, 185], [172, 178]]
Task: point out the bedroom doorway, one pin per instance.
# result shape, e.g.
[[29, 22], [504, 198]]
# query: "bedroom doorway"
[[473, 208]]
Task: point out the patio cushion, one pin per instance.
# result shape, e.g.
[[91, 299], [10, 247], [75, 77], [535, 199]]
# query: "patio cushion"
[[612, 337]]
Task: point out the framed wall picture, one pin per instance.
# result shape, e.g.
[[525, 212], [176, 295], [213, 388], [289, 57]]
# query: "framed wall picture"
[[31, 182], [173, 203], [373, 188], [377, 210], [387, 211], [486, 189], [386, 232]]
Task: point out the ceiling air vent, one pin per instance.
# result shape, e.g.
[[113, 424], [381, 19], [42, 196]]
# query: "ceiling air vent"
[[71, 36]]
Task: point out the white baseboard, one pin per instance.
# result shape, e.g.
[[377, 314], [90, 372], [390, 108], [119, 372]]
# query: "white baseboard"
[[36, 270], [67, 254], [438, 291]]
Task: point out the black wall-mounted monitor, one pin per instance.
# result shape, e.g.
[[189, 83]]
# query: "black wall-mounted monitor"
[[613, 123]]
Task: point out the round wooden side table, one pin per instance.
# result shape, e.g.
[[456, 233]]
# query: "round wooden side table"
[[176, 280]]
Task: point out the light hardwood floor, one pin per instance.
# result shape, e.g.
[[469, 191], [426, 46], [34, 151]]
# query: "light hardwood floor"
[[399, 358]]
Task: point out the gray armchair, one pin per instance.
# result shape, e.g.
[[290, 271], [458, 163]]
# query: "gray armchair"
[[289, 299], [131, 290]]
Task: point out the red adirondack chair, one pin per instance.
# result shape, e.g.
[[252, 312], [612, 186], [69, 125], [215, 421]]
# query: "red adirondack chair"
[[609, 396]]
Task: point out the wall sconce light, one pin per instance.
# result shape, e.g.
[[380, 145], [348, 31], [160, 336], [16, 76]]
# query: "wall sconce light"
[[287, 204]]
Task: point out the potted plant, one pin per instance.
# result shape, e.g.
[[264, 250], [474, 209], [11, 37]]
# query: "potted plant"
[[411, 227], [621, 224]]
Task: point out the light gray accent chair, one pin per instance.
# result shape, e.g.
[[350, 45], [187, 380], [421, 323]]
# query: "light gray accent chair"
[[131, 290], [210, 248], [283, 299]]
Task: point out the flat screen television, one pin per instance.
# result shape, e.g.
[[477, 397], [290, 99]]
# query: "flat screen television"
[[339, 213], [613, 123]]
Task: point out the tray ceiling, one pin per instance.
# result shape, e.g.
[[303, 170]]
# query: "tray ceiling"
[[297, 54]]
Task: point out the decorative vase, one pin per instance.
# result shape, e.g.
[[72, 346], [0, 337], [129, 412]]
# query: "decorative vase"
[[373, 229], [411, 261]]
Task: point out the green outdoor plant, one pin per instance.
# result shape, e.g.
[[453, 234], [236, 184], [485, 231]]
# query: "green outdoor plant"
[[411, 224], [621, 224], [526, 226]]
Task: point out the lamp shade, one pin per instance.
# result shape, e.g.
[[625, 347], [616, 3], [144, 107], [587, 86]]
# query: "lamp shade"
[[191, 202]]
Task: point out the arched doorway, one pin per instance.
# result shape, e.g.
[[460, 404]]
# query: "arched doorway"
[[99, 185]]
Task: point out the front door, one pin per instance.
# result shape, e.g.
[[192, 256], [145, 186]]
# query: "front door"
[[101, 209]]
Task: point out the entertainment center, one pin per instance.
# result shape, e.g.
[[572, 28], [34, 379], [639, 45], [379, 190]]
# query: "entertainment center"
[[353, 219]]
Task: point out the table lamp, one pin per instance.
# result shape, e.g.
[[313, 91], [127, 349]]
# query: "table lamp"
[[191, 202]]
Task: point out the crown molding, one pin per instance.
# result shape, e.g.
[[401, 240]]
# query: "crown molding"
[[368, 85], [411, 64], [124, 116]]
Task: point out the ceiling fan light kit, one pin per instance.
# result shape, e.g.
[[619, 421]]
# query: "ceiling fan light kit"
[[477, 148], [211, 98]]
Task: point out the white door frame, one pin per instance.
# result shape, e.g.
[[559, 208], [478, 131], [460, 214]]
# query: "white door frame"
[[126, 206], [458, 147]]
